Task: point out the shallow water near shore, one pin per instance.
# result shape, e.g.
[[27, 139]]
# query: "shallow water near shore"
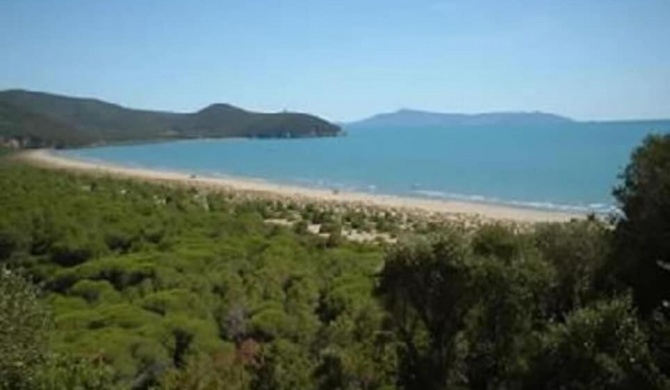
[[567, 167]]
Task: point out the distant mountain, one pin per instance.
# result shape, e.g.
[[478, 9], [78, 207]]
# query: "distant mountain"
[[413, 118], [63, 121]]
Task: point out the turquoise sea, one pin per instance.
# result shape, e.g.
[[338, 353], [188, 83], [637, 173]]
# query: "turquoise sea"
[[560, 167]]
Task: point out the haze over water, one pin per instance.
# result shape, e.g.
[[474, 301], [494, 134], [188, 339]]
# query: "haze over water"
[[563, 167]]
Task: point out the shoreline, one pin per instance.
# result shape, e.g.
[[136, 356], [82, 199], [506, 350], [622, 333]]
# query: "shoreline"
[[273, 191]]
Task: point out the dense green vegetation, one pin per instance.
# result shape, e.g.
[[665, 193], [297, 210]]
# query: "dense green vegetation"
[[28, 129], [41, 119], [120, 284], [151, 278]]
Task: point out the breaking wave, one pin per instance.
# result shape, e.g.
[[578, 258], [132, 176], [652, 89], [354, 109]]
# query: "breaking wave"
[[595, 208]]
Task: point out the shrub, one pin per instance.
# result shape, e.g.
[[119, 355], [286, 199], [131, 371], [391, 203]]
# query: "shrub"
[[24, 326]]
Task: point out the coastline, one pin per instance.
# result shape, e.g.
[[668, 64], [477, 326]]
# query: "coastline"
[[262, 189]]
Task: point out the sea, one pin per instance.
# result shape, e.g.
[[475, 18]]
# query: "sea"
[[569, 167]]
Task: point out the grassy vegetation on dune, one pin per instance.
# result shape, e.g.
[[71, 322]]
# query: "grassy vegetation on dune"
[[146, 275], [5, 151]]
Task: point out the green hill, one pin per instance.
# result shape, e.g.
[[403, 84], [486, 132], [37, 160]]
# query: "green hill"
[[22, 128], [62, 121]]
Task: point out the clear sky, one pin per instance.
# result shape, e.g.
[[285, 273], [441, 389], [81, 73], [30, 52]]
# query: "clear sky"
[[347, 59]]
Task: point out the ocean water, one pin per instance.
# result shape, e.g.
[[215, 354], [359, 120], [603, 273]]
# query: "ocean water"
[[569, 167]]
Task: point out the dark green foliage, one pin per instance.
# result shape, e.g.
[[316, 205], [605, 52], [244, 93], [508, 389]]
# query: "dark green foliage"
[[94, 291], [464, 312], [496, 241], [26, 361], [641, 257], [24, 327], [386, 222], [301, 226], [659, 334], [40, 119], [30, 129], [577, 252], [500, 310], [158, 287], [330, 227], [426, 288], [146, 280], [224, 370], [642, 235], [70, 372], [501, 329], [11, 240], [598, 347]]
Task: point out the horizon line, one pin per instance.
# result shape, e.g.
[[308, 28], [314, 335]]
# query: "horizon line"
[[343, 121]]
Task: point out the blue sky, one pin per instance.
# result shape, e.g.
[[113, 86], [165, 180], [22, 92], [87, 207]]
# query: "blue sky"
[[346, 59]]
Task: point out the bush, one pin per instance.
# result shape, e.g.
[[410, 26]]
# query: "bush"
[[577, 252], [74, 372], [24, 327], [642, 236], [598, 347], [94, 291]]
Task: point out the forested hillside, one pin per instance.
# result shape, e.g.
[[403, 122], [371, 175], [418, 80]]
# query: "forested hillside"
[[109, 283], [25, 129], [61, 121]]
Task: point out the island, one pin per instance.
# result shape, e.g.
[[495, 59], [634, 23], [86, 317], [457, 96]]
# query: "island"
[[418, 118]]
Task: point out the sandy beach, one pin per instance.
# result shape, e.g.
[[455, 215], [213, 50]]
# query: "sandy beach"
[[264, 189]]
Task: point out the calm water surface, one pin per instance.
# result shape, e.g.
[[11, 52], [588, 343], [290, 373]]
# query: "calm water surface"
[[566, 167]]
